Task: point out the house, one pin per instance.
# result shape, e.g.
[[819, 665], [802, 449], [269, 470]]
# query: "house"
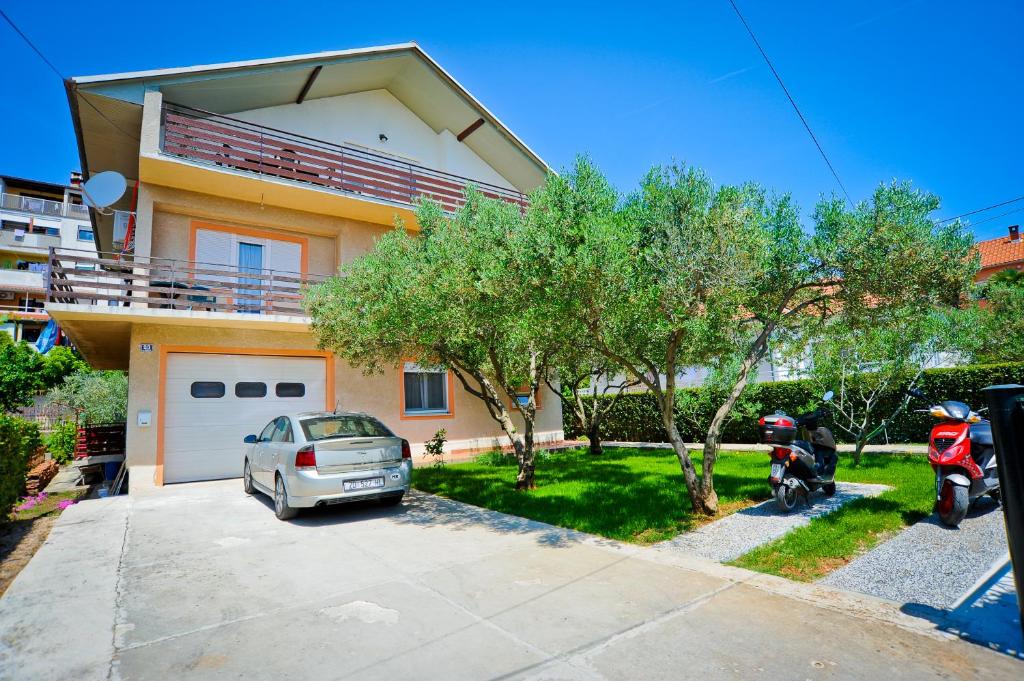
[[248, 180], [34, 217], [1001, 253]]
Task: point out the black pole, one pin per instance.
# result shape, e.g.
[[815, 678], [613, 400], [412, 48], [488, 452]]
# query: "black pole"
[[1006, 411]]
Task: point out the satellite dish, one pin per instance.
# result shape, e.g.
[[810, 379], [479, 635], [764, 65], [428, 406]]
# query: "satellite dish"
[[104, 189]]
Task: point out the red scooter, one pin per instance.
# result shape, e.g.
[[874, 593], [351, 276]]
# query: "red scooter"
[[961, 452]]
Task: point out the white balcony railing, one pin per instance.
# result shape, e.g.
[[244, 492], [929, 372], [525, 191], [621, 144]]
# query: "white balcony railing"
[[45, 207]]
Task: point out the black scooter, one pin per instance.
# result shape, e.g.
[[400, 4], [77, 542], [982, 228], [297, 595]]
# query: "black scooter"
[[799, 467]]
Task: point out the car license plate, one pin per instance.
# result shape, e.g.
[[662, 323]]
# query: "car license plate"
[[368, 483], [776, 471]]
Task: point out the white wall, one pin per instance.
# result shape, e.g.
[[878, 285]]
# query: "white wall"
[[361, 117]]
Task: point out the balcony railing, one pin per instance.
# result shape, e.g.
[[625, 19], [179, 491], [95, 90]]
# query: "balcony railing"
[[53, 209], [90, 278], [209, 138]]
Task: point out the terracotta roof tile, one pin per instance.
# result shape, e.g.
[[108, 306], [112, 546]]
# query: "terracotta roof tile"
[[1000, 251]]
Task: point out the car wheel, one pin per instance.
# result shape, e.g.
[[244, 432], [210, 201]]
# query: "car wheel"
[[247, 480], [281, 508], [392, 501]]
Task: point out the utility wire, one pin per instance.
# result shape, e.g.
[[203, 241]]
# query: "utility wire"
[[996, 217], [792, 101], [53, 68], [982, 210]]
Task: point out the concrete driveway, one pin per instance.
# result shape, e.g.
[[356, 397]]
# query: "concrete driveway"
[[200, 581]]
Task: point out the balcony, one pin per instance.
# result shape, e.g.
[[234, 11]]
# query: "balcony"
[[210, 139], [116, 280], [18, 236], [44, 207]]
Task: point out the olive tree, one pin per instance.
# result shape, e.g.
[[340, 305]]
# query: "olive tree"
[[684, 273], [459, 294], [590, 386], [865, 364]]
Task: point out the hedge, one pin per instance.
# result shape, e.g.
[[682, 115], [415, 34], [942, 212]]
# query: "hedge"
[[635, 416], [19, 439]]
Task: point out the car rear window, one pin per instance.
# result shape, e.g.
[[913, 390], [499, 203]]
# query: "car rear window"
[[324, 427]]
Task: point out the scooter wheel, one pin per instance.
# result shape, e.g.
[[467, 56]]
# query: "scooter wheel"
[[995, 495], [785, 498], [952, 504], [830, 488]]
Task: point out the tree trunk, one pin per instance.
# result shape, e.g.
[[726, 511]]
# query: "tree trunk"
[[693, 486], [525, 455], [858, 450], [594, 433], [714, 434]]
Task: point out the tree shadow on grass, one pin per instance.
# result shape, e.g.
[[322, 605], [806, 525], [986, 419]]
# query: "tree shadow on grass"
[[625, 495]]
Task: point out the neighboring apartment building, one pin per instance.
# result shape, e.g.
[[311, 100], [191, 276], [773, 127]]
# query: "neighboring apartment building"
[[247, 180], [35, 216], [1001, 253]]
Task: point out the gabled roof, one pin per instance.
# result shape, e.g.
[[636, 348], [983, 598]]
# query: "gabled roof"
[[404, 69], [1000, 251]]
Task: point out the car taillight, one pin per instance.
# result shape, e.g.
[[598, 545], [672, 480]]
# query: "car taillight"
[[305, 457], [406, 450]]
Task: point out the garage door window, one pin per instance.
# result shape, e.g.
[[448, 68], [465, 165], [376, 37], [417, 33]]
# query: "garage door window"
[[207, 389], [426, 389], [250, 389], [290, 390]]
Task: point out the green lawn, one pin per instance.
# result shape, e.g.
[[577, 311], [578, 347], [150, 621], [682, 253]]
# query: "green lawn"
[[638, 496], [831, 541]]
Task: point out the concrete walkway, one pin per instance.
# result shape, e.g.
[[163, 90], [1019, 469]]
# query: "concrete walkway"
[[200, 581], [732, 536]]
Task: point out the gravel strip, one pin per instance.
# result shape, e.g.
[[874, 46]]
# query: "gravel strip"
[[729, 538], [929, 563]]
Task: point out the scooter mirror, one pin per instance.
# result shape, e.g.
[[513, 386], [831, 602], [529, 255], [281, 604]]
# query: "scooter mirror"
[[827, 397], [914, 392]]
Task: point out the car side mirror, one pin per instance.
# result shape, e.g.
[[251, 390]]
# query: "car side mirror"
[[250, 440]]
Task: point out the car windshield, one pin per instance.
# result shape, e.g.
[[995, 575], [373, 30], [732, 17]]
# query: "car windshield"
[[324, 427]]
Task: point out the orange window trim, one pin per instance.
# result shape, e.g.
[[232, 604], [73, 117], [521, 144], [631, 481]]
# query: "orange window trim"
[[423, 417], [303, 242], [523, 390], [207, 350]]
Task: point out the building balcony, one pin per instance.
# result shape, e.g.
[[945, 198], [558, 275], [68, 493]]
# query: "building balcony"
[[32, 279], [173, 287], [44, 207], [21, 237], [234, 145]]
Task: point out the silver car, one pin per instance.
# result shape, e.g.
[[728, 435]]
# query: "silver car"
[[320, 458]]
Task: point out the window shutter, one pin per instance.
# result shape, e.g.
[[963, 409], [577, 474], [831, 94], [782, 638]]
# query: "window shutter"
[[213, 247]]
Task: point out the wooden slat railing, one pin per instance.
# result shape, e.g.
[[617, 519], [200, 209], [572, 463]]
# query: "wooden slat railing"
[[206, 137], [91, 278]]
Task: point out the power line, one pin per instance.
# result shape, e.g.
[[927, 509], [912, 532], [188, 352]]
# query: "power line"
[[982, 210], [60, 75], [996, 217], [792, 101]]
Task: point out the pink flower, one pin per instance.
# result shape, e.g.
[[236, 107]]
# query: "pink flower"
[[65, 503]]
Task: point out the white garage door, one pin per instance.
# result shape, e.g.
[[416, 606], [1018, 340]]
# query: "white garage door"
[[213, 401]]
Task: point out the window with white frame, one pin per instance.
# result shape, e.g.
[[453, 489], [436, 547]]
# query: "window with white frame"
[[84, 234], [426, 389]]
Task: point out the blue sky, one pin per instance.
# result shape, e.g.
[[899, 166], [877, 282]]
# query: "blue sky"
[[927, 91]]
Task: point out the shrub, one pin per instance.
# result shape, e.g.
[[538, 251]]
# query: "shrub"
[[18, 440], [61, 442], [99, 396], [636, 418], [435, 448]]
